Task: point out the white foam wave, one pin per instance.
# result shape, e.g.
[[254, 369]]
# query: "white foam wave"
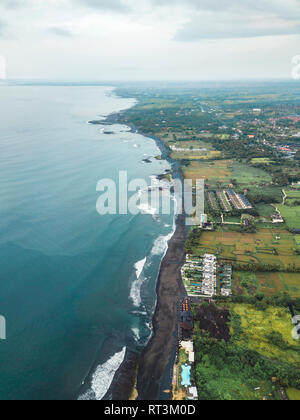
[[103, 377], [146, 209], [136, 333], [135, 292], [139, 267], [161, 244]]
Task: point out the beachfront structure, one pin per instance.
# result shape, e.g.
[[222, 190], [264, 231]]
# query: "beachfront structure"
[[193, 394], [200, 275], [188, 346], [192, 358], [226, 280], [187, 320]]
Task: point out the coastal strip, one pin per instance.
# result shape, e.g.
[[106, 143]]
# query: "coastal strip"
[[154, 366], [158, 354]]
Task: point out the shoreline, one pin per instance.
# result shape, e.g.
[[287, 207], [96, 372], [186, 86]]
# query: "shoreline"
[[155, 367]]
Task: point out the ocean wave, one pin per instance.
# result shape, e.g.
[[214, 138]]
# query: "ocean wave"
[[136, 333], [146, 209], [103, 377], [139, 267], [135, 292], [160, 246]]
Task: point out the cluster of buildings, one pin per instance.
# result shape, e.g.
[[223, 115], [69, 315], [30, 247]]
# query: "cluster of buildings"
[[187, 320], [200, 275], [226, 280], [209, 270], [187, 345], [228, 200], [192, 392], [239, 201], [224, 201]]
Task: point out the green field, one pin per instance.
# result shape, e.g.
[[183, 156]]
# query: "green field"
[[258, 326], [254, 363], [265, 161], [224, 172], [291, 216], [293, 394], [267, 246], [248, 176], [270, 284], [265, 210], [293, 194]]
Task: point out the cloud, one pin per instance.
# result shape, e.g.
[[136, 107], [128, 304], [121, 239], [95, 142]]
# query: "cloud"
[[113, 5], [225, 28], [14, 4], [233, 5], [60, 32], [2, 29], [226, 19]]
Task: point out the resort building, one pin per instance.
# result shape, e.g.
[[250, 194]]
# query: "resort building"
[[200, 276]]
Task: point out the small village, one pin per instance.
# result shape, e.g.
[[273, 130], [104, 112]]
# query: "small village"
[[204, 279]]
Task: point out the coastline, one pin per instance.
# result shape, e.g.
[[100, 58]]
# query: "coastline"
[[154, 367]]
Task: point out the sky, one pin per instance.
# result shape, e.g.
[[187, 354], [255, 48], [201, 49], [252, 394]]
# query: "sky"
[[148, 40]]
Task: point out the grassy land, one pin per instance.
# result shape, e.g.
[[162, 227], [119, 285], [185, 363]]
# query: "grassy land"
[[212, 172], [195, 155], [260, 329], [259, 358], [269, 284], [225, 171], [261, 247], [293, 394], [291, 216]]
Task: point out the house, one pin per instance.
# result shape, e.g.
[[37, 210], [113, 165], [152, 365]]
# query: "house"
[[193, 394], [192, 358]]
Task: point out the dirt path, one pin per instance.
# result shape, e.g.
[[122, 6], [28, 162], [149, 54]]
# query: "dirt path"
[[284, 197], [158, 354]]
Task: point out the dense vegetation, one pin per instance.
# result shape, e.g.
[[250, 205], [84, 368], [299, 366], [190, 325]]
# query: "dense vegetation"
[[232, 370]]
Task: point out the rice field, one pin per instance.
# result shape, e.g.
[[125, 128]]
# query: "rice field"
[[196, 155], [293, 394], [223, 171], [267, 246], [258, 325], [212, 172], [291, 215]]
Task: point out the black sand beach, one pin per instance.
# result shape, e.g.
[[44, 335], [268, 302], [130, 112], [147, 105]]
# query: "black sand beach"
[[156, 360], [158, 354]]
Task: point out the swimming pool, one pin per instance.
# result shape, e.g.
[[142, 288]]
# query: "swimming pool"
[[186, 375]]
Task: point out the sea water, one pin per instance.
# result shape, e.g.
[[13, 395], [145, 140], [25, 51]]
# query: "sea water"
[[76, 288]]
